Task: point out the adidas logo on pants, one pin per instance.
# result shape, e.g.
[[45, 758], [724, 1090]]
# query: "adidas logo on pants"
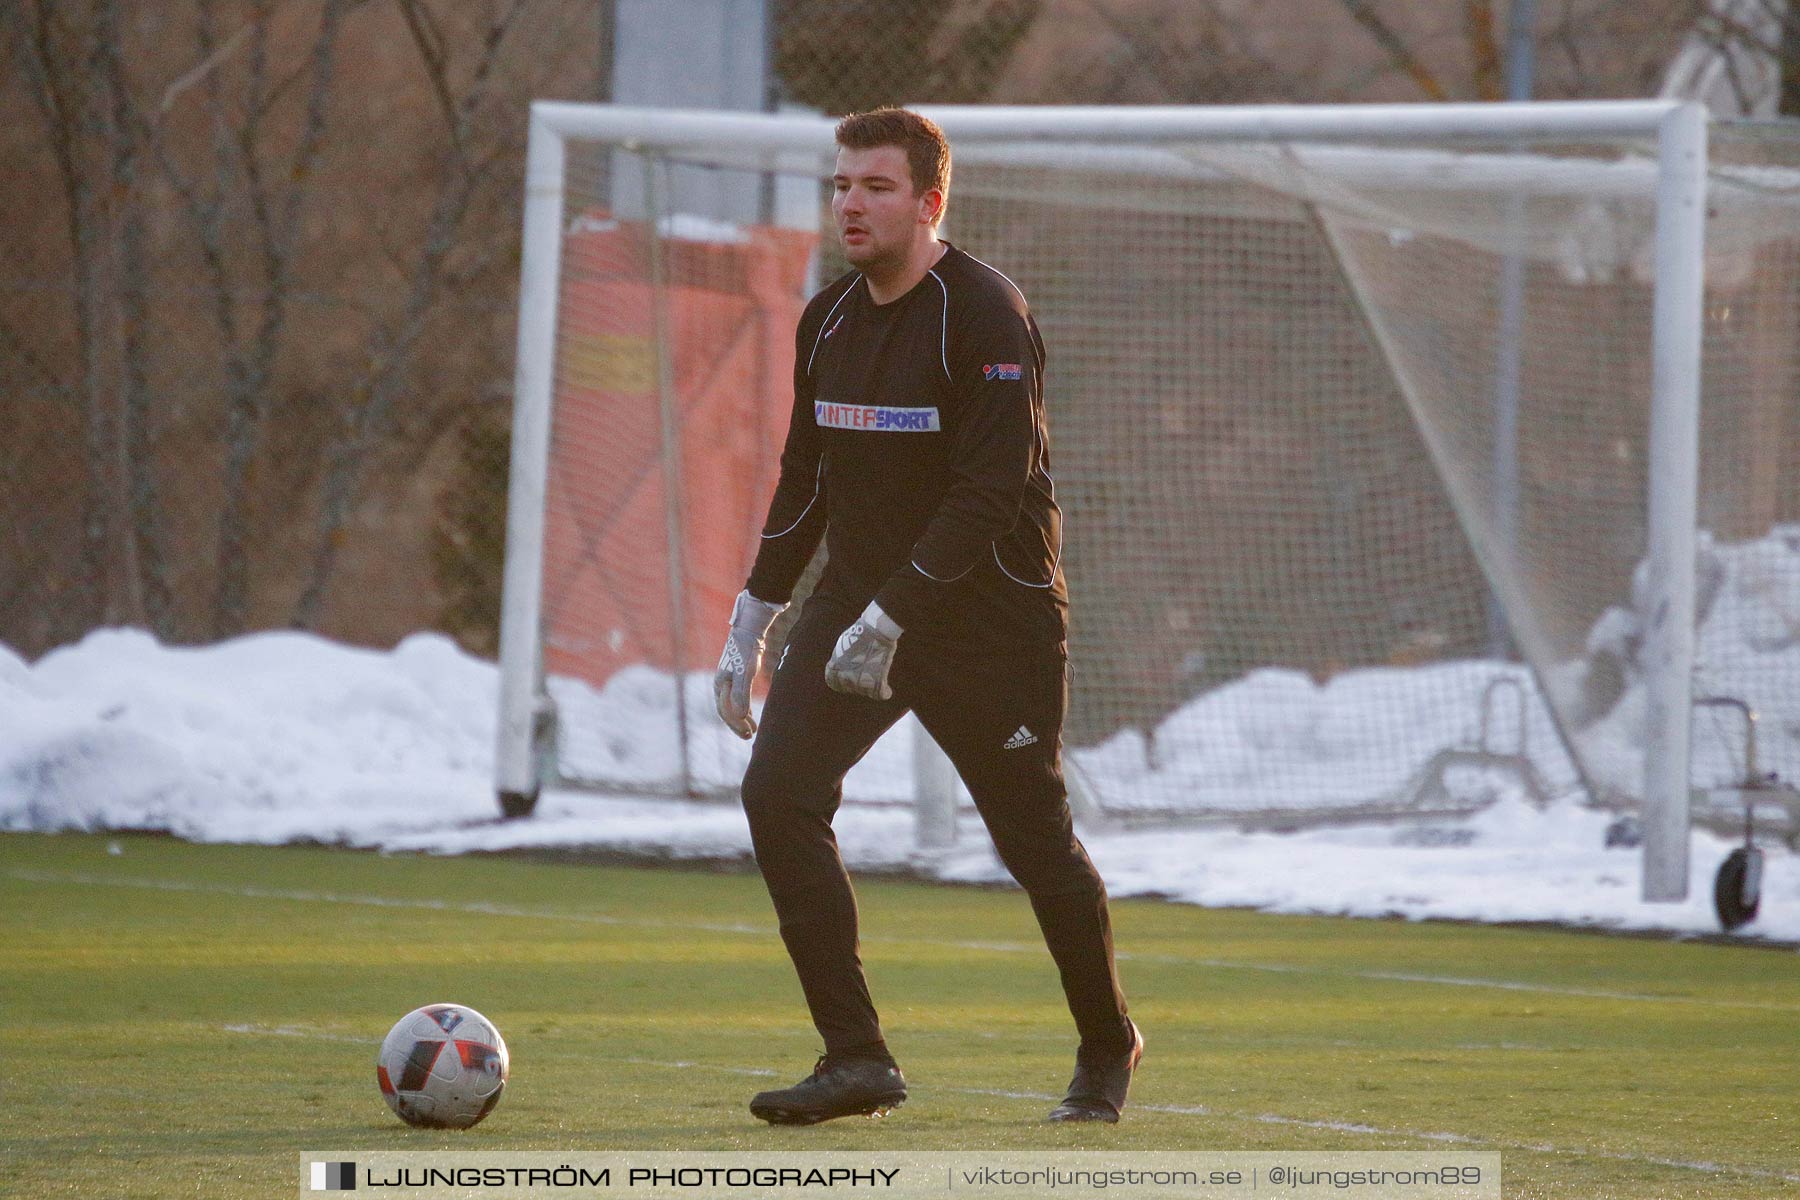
[[1024, 737]]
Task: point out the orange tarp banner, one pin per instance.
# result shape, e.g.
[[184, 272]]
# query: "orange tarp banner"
[[729, 309]]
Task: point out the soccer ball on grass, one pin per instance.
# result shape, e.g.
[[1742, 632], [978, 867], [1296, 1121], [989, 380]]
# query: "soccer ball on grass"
[[442, 1067]]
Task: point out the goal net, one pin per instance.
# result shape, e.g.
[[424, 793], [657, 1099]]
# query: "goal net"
[[1385, 485]]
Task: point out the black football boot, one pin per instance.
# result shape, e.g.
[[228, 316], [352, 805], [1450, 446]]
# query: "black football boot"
[[1097, 1093], [845, 1087]]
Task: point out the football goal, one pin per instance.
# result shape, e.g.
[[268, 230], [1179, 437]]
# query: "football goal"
[[1413, 458]]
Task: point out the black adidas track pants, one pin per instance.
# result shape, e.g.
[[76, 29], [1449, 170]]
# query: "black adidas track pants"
[[984, 711]]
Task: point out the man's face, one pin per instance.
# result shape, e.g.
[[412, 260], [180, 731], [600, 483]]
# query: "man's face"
[[878, 212]]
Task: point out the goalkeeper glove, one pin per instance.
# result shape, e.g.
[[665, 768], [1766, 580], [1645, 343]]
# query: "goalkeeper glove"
[[865, 651], [741, 660]]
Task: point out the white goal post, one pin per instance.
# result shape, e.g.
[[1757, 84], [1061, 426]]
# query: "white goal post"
[[1675, 133]]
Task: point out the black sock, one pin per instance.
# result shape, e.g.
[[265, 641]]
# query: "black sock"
[[875, 1051]]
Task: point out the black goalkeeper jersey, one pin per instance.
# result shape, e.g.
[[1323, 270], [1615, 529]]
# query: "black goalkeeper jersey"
[[918, 449]]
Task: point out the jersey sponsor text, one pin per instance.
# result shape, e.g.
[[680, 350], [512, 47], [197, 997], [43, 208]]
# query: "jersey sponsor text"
[[873, 417]]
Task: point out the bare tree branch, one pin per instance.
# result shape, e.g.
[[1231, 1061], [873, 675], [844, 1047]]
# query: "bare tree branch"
[[1239, 44], [1396, 48], [250, 407], [429, 41], [276, 202], [147, 575], [1146, 52], [390, 346], [23, 350], [48, 53], [206, 66], [1484, 50]]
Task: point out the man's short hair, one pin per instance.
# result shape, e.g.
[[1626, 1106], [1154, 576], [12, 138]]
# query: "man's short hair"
[[927, 150]]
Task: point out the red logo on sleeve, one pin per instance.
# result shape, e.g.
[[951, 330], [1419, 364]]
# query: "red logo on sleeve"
[[1001, 371]]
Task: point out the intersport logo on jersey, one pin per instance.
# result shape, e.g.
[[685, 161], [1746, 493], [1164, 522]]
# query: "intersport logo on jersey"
[[873, 417]]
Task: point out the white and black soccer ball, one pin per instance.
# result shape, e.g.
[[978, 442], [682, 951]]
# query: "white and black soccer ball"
[[442, 1067]]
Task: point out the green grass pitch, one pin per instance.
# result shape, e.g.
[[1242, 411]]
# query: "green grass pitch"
[[185, 1020]]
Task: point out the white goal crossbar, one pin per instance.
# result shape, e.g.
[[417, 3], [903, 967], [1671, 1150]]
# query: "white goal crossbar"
[[1678, 131]]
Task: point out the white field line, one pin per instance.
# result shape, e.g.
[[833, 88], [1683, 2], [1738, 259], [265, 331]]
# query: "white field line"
[[1188, 1110], [1058, 1039], [299, 1031], [483, 908], [251, 892]]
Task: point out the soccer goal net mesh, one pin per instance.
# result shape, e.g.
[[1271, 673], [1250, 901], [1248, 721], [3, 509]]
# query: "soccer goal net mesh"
[[1351, 444]]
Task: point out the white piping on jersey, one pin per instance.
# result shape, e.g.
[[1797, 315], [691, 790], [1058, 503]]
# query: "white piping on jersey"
[[1061, 541], [825, 326], [995, 547], [1002, 274], [818, 479], [934, 578], [944, 326], [944, 359], [1034, 432], [1036, 447]]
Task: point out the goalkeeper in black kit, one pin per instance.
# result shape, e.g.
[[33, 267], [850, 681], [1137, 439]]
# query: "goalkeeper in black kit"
[[918, 451]]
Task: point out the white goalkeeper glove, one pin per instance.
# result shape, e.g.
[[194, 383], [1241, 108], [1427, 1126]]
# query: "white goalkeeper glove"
[[741, 660], [865, 652]]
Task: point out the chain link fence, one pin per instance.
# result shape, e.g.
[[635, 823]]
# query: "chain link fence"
[[257, 289]]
